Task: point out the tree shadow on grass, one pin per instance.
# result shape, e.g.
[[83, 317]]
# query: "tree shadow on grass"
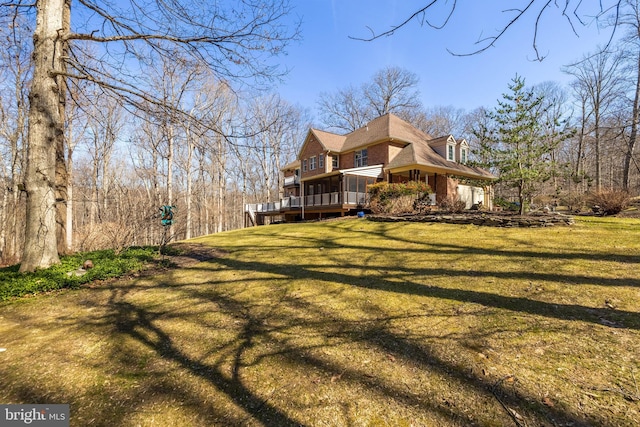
[[516, 304], [374, 333], [516, 251], [424, 246], [138, 323], [265, 331], [266, 327], [269, 330]]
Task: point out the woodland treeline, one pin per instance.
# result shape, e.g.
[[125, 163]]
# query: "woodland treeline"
[[123, 164]]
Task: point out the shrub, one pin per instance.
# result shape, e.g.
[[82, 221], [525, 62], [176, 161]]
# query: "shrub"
[[574, 201], [506, 204], [396, 198], [452, 204], [609, 202]]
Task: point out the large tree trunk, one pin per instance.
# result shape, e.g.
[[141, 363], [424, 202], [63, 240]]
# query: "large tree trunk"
[[45, 127], [62, 180], [62, 177], [69, 171]]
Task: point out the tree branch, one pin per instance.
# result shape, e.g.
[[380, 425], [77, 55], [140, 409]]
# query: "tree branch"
[[488, 42], [397, 27]]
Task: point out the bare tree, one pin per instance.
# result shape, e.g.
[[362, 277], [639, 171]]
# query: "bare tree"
[[598, 76], [277, 123], [344, 110], [391, 90], [631, 20], [235, 39], [105, 123], [584, 115], [211, 105], [555, 115], [445, 120], [15, 77]]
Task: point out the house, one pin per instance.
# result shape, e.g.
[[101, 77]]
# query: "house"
[[332, 172]]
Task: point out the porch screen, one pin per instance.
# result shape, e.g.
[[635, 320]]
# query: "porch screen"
[[352, 183], [359, 183]]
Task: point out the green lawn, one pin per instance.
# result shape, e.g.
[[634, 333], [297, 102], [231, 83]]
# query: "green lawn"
[[349, 323]]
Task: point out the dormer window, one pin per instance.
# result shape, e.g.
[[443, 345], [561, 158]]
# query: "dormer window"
[[463, 155], [451, 153]]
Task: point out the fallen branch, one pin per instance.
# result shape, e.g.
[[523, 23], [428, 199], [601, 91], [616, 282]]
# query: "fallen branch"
[[630, 396], [517, 418]]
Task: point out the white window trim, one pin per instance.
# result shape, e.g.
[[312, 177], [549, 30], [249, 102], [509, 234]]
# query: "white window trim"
[[312, 163], [451, 152]]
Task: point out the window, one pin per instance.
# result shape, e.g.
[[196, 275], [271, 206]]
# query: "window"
[[361, 158], [463, 155], [304, 165], [335, 162], [312, 163], [450, 156], [321, 161]]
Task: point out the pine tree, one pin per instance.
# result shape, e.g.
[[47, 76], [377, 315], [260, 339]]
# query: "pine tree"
[[518, 143]]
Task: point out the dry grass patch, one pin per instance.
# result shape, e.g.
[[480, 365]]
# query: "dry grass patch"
[[350, 323]]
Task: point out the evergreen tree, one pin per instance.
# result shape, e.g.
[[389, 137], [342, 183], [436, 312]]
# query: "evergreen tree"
[[518, 138]]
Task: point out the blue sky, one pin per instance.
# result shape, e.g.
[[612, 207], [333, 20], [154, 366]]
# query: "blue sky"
[[327, 59]]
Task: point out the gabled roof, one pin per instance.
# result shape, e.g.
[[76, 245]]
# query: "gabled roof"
[[387, 127], [293, 165], [384, 128], [423, 155], [441, 140], [330, 141]]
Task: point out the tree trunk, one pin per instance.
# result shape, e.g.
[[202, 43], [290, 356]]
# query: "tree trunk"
[[170, 143], [3, 222], [62, 177], [597, 149], [69, 218], [577, 171], [45, 128], [95, 176], [628, 158], [189, 190]]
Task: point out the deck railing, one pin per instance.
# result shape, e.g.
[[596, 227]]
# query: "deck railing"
[[291, 180], [351, 198]]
